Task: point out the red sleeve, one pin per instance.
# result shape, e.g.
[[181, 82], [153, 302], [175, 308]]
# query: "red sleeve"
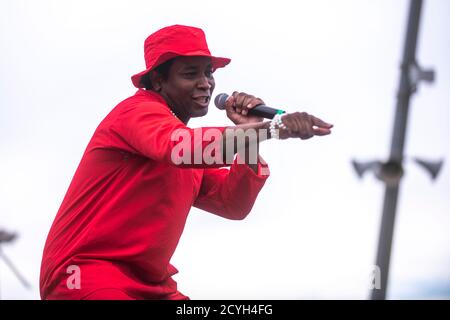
[[149, 129], [231, 193]]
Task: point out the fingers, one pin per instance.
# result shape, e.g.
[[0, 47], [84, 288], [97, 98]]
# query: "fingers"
[[229, 102], [244, 102], [320, 123], [305, 126], [321, 131], [253, 102]]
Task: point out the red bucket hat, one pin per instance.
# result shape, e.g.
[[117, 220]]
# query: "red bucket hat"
[[173, 41]]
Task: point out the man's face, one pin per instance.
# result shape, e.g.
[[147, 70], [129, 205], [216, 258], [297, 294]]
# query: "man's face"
[[189, 86]]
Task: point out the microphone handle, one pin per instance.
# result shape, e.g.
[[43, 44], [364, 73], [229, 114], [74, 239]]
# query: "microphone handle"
[[264, 112]]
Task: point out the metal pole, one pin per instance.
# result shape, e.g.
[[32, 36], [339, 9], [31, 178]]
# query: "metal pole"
[[407, 88]]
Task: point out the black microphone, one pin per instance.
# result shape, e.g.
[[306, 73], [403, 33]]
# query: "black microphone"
[[259, 111]]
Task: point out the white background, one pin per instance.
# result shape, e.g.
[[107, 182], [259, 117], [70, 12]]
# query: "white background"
[[314, 229]]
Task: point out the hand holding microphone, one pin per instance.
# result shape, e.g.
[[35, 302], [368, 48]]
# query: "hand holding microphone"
[[242, 108], [246, 104]]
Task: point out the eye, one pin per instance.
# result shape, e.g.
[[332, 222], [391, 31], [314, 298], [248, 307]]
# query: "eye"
[[209, 73], [190, 74]]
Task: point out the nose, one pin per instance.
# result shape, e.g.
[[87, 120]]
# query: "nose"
[[203, 83]]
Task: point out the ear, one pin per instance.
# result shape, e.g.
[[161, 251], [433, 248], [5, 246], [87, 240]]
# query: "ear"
[[156, 80]]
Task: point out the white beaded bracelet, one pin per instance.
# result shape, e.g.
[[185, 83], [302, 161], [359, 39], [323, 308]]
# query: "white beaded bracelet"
[[273, 131], [274, 126]]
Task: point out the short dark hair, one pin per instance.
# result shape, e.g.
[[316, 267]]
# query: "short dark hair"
[[163, 69]]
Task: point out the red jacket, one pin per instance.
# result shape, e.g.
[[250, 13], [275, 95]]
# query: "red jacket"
[[126, 207]]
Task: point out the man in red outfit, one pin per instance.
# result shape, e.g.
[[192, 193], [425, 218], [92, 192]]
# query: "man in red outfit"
[[124, 212]]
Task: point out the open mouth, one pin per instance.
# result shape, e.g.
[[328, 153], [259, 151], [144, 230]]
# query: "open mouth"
[[203, 100]]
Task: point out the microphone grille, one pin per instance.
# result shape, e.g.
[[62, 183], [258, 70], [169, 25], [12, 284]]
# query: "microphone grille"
[[220, 99]]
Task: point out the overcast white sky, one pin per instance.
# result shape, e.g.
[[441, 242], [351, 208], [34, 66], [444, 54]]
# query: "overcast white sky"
[[314, 229]]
